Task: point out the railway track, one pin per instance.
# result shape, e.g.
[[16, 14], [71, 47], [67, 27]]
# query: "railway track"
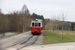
[[29, 40]]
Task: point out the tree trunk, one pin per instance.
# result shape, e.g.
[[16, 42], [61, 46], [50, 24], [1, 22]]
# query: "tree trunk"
[[23, 22], [62, 32]]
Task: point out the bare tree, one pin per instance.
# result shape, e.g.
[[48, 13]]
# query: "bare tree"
[[51, 24], [62, 18], [25, 10], [0, 10], [4, 24], [45, 21], [25, 13], [48, 25]]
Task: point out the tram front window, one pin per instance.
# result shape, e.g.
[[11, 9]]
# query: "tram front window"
[[39, 24], [33, 24], [36, 24]]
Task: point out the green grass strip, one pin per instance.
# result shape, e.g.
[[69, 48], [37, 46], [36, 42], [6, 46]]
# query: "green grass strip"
[[51, 37]]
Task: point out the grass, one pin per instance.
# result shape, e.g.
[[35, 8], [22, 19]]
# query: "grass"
[[51, 37]]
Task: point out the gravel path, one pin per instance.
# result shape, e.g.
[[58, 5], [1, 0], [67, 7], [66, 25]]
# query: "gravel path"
[[59, 46]]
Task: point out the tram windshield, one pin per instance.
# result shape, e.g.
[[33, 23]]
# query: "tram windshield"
[[32, 24], [36, 24]]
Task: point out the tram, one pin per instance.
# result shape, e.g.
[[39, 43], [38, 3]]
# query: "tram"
[[36, 27]]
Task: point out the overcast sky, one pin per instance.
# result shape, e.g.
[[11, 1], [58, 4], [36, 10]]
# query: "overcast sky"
[[47, 8]]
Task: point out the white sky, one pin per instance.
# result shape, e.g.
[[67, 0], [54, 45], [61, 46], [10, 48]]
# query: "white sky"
[[47, 8]]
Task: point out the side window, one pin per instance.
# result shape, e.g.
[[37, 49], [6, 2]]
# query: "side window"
[[39, 25], [32, 24]]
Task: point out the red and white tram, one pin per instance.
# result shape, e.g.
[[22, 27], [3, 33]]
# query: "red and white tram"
[[36, 27]]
